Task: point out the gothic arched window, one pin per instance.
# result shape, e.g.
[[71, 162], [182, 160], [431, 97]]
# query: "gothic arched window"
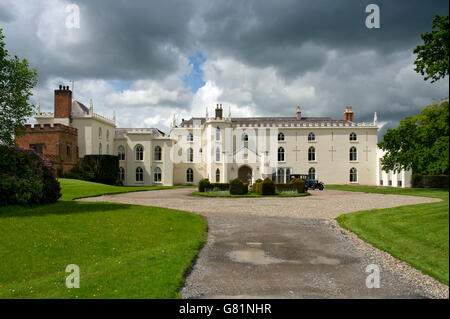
[[139, 153], [121, 153], [217, 175], [312, 173], [311, 154], [218, 134], [190, 155], [353, 136], [158, 153], [139, 174], [311, 137], [353, 154], [218, 154], [190, 175], [121, 174], [353, 175], [280, 154], [157, 175]]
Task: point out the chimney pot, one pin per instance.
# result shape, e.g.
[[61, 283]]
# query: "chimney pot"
[[60, 87]]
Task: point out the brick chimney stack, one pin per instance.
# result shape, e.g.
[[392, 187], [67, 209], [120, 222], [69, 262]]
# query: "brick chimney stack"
[[299, 113], [349, 115], [63, 102], [219, 111]]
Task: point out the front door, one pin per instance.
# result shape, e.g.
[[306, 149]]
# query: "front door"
[[244, 173]]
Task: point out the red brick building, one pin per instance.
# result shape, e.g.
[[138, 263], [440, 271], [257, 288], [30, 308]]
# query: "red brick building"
[[57, 142]]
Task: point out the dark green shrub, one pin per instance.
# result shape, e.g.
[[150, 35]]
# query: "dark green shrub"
[[26, 178], [105, 168], [237, 187], [429, 181], [267, 187], [203, 185], [259, 180], [245, 188]]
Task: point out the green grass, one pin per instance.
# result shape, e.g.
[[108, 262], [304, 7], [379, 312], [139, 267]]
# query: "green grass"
[[228, 195], [74, 189], [123, 251], [416, 234]]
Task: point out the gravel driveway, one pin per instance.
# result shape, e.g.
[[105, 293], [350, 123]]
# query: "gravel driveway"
[[289, 247]]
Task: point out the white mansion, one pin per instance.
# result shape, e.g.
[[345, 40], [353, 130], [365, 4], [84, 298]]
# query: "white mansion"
[[222, 147]]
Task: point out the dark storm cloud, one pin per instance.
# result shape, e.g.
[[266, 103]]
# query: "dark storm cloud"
[[265, 33], [6, 14]]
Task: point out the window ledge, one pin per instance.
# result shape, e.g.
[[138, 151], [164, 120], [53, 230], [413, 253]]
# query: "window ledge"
[[355, 142], [312, 162], [312, 141], [354, 162]]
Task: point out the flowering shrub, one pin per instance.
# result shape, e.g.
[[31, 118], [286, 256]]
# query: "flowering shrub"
[[26, 178]]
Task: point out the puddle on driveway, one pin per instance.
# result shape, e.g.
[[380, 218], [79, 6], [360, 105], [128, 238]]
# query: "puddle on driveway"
[[253, 256], [325, 261]]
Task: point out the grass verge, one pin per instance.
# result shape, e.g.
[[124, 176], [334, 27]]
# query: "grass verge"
[[416, 234]]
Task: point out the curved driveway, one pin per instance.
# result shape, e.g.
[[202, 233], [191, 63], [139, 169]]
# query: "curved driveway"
[[284, 247]]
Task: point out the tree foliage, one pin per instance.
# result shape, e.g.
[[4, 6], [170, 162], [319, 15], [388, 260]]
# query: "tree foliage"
[[16, 82], [432, 56], [419, 143]]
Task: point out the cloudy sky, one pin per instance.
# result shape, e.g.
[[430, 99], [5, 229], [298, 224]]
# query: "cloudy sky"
[[148, 60]]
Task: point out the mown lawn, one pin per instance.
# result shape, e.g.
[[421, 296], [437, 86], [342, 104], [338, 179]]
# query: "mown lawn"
[[123, 251], [416, 234]]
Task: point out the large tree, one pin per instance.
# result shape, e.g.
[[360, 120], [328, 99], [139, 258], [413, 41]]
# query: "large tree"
[[16, 81], [419, 143], [432, 56]]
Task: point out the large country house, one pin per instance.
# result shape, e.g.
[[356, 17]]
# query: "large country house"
[[219, 147]]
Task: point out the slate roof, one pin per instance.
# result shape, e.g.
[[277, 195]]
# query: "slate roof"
[[120, 132], [261, 121], [79, 107]]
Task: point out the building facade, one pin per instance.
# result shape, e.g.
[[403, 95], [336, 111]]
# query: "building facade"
[[222, 148]]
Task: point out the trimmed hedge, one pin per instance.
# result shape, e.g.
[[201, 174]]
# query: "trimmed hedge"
[[266, 187], [429, 181], [237, 187], [26, 178], [220, 186], [105, 168], [203, 185]]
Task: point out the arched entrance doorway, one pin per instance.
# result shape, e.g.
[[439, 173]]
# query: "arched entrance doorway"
[[244, 173]]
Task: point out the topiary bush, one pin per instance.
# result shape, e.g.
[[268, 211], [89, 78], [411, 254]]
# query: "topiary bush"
[[105, 168], [299, 185], [237, 187], [26, 178], [203, 185], [267, 187]]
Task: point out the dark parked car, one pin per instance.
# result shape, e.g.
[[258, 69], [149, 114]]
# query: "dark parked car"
[[309, 182], [313, 184]]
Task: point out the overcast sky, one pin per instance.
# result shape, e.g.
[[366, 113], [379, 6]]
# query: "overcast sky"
[[148, 60]]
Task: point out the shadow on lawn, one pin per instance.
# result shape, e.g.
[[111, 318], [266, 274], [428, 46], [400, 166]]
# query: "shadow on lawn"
[[59, 208]]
